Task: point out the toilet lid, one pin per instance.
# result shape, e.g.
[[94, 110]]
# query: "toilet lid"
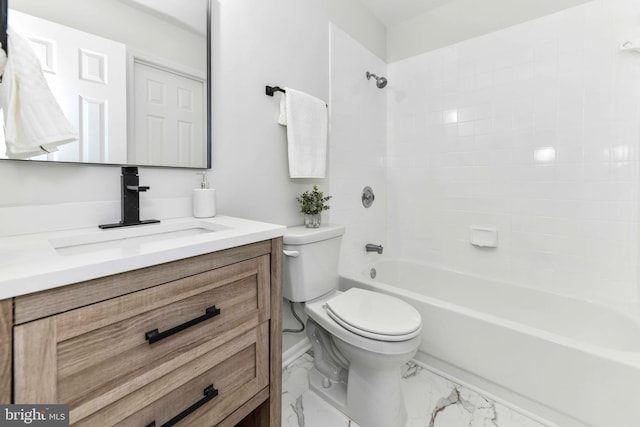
[[374, 315]]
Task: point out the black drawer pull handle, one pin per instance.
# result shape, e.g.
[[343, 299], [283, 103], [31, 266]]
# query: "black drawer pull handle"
[[155, 335], [209, 393]]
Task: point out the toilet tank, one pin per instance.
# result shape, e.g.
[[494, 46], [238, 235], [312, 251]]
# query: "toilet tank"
[[310, 261]]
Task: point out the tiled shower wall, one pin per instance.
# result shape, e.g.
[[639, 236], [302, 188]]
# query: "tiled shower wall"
[[534, 131], [357, 147]]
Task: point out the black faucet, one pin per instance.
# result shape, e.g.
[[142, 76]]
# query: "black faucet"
[[130, 189]]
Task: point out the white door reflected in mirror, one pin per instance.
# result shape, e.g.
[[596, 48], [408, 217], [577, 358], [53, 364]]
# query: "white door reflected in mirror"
[[169, 117]]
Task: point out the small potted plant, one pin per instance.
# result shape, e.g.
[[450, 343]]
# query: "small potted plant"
[[312, 203]]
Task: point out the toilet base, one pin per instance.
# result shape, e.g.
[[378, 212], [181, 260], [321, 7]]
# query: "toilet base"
[[375, 397], [364, 408]]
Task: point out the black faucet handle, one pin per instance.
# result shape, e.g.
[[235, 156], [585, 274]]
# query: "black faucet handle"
[[137, 188]]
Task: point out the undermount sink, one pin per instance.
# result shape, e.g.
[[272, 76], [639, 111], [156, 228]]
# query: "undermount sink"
[[94, 241]]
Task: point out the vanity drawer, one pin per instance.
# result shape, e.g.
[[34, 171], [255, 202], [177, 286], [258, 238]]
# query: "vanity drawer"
[[231, 376], [96, 355]]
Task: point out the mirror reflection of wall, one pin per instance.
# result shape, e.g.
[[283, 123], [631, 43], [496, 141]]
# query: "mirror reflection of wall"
[[129, 77]]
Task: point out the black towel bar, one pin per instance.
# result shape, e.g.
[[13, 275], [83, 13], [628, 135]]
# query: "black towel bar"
[[270, 90]]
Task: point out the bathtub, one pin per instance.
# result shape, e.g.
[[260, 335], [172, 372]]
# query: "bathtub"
[[571, 362]]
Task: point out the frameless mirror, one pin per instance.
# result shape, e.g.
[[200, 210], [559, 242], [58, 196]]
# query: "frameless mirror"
[[131, 77]]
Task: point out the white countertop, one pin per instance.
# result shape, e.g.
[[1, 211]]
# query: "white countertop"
[[31, 263]]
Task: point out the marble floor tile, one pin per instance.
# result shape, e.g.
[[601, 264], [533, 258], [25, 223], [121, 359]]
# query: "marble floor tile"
[[303, 408], [431, 400]]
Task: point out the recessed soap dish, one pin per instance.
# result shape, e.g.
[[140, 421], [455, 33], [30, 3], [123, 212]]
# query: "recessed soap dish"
[[483, 237]]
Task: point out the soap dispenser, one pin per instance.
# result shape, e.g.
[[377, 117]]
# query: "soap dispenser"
[[204, 199]]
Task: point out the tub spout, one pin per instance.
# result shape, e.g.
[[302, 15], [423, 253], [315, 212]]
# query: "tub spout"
[[370, 247]]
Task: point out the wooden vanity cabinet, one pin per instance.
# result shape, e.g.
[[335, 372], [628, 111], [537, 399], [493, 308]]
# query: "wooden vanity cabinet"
[[195, 341], [6, 323]]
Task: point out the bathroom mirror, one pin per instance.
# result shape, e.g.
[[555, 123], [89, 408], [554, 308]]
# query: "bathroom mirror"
[[131, 77]]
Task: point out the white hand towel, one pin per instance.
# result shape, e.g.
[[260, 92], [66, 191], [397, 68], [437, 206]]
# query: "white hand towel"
[[307, 131], [34, 122], [282, 118]]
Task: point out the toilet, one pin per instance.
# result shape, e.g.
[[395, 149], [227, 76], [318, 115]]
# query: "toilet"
[[360, 338]]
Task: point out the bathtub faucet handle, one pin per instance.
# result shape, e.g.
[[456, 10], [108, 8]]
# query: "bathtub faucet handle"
[[370, 247]]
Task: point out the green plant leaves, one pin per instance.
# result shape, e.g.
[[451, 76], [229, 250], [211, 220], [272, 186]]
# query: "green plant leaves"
[[313, 202]]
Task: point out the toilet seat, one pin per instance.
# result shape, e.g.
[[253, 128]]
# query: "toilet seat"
[[374, 315]]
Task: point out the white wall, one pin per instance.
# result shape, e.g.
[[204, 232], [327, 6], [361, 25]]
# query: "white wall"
[[40, 196], [358, 146], [533, 130], [457, 20], [352, 17], [276, 43]]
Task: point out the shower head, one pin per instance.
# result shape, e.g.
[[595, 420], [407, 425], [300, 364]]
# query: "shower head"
[[380, 81]]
